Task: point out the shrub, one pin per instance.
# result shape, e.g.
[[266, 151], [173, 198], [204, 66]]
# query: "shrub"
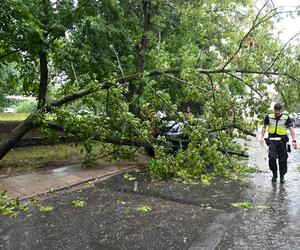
[[25, 107]]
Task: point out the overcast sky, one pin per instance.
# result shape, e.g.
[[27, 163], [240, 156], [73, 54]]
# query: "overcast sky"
[[288, 26]]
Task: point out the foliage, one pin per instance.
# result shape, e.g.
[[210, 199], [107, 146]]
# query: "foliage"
[[36, 201], [25, 107], [220, 58], [120, 201], [242, 204], [90, 184], [200, 162], [44, 208], [129, 177], [10, 207], [143, 209], [9, 82], [247, 205], [78, 203]]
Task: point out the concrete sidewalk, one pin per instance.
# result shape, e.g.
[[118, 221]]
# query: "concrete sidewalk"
[[42, 181]]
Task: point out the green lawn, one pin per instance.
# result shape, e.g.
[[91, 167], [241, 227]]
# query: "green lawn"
[[26, 159], [13, 116]]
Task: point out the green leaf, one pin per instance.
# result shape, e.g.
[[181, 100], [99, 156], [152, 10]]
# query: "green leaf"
[[119, 201], [45, 208], [129, 177], [79, 203], [90, 184], [242, 204], [143, 209]]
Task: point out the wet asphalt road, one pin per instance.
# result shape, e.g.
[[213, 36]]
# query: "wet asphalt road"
[[181, 216], [277, 227]]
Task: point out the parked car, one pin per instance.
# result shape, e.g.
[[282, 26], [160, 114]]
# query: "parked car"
[[84, 112], [295, 117], [173, 131], [80, 111], [297, 120], [8, 110]]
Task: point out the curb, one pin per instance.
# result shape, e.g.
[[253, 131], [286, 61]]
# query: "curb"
[[94, 178]]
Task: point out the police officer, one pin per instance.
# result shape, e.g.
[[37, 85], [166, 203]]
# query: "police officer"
[[277, 124]]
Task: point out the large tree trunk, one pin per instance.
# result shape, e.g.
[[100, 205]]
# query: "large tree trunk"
[[43, 78], [43, 60], [136, 88], [16, 135]]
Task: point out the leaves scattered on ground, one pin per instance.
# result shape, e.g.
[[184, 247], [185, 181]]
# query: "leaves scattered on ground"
[[51, 191], [44, 208], [207, 206], [119, 201], [79, 203], [10, 207], [36, 201], [90, 184], [129, 177], [242, 204], [247, 205], [143, 208]]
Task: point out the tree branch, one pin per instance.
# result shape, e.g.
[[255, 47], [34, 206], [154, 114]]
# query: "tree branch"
[[250, 86], [254, 25], [9, 53], [185, 82], [104, 85], [282, 49], [233, 126], [242, 154], [28, 124]]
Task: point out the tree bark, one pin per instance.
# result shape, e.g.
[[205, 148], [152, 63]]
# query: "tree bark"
[[136, 89], [16, 135], [43, 61], [43, 78]]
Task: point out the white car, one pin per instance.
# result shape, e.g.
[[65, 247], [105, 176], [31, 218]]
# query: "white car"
[[8, 110]]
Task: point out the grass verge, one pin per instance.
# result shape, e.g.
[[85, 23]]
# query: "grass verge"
[[27, 159], [13, 116]]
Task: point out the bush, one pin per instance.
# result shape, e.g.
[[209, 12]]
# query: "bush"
[[25, 107]]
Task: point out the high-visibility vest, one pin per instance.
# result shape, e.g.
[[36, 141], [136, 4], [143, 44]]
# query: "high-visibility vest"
[[277, 126]]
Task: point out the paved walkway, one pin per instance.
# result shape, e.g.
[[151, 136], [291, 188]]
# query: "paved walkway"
[[40, 182]]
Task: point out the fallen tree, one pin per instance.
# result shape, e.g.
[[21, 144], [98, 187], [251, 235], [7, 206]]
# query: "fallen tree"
[[131, 64]]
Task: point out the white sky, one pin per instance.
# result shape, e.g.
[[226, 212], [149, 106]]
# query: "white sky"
[[288, 26]]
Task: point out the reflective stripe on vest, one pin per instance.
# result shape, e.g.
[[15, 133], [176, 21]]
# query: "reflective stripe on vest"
[[277, 126]]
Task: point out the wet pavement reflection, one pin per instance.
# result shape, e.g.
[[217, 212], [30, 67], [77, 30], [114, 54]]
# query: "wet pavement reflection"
[[277, 224]]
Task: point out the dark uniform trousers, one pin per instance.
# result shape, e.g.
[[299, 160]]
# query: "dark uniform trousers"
[[277, 149]]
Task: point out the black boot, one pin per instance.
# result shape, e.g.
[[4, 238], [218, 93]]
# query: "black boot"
[[282, 179], [274, 178]]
